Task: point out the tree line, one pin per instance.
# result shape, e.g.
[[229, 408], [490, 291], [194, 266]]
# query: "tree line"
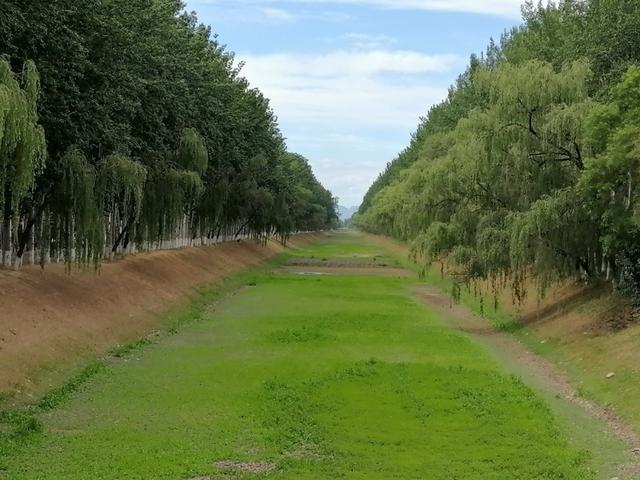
[[530, 166], [127, 125]]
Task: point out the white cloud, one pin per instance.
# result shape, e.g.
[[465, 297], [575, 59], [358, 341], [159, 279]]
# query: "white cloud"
[[365, 41], [278, 15], [266, 11], [335, 102], [374, 87], [348, 180], [508, 8], [350, 110], [502, 8], [345, 63]]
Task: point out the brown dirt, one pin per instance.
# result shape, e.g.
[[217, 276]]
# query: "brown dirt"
[[246, 467], [51, 321], [336, 263], [343, 266], [363, 271]]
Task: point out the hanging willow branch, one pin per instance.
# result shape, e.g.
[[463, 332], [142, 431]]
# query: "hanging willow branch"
[[192, 153], [78, 208], [169, 196], [22, 142], [122, 192]]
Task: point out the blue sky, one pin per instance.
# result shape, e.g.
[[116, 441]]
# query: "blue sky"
[[349, 79]]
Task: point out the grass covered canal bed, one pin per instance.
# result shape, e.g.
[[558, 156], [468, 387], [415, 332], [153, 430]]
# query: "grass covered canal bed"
[[298, 375]]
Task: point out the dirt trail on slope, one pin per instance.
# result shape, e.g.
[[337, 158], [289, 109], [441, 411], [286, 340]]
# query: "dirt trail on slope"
[[51, 320]]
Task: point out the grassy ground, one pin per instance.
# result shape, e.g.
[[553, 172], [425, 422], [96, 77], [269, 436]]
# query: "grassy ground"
[[572, 338], [300, 377], [568, 340]]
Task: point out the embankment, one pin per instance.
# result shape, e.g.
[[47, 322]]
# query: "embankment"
[[51, 320], [595, 336]]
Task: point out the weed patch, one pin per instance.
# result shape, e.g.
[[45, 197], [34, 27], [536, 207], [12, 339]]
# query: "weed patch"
[[299, 335]]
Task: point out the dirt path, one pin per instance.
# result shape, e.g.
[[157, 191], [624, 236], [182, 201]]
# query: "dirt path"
[[545, 373]]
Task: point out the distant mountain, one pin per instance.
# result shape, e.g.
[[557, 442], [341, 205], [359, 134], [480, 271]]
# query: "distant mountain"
[[345, 213]]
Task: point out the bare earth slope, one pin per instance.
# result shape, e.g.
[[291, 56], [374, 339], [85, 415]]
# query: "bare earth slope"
[[49, 318]]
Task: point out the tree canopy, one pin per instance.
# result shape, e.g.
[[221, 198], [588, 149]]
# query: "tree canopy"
[[152, 135], [530, 166]]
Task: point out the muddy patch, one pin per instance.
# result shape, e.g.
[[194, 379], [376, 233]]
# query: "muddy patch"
[[350, 267], [245, 467], [369, 262], [350, 271], [305, 273]]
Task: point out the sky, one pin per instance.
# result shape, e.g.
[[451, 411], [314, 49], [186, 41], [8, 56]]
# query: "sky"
[[350, 79]]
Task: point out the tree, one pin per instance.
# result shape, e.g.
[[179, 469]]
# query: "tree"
[[154, 138], [22, 148], [530, 166]]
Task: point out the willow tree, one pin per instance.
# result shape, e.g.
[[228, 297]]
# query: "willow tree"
[[192, 154], [193, 158], [22, 147], [526, 155], [490, 197], [210, 209], [519, 170], [76, 210], [169, 197], [121, 191], [200, 180], [173, 188]]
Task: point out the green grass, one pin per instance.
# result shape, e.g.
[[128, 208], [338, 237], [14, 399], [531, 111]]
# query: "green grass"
[[348, 245], [324, 378]]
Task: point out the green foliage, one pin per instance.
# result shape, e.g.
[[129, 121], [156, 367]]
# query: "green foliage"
[[17, 426], [611, 180], [193, 155], [57, 396], [78, 207], [176, 141], [123, 182], [530, 165], [127, 349], [22, 144]]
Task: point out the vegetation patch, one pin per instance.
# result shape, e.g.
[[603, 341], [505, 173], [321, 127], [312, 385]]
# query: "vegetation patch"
[[300, 335]]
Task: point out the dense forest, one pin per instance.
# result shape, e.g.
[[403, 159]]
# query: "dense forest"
[[530, 167], [127, 126]]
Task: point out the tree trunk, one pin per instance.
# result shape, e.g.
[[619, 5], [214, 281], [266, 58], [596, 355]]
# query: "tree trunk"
[[7, 250], [119, 238]]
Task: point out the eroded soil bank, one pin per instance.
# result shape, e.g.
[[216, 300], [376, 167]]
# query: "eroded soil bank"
[[51, 320]]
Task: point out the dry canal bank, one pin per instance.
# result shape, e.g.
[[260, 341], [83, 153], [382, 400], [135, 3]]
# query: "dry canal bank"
[[52, 321]]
